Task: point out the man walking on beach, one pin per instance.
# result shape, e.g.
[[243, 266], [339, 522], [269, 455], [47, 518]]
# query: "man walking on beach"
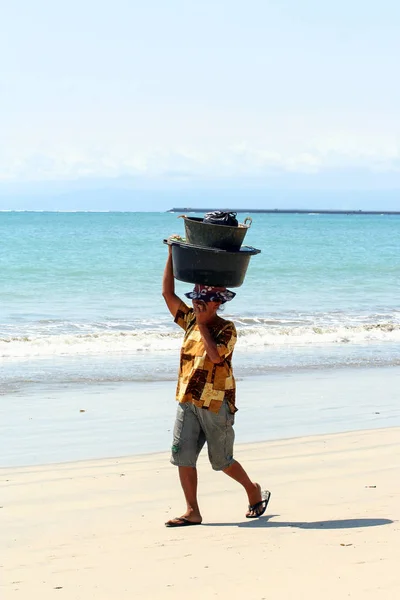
[[206, 395]]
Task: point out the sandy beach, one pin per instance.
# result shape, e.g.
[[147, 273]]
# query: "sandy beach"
[[94, 529]]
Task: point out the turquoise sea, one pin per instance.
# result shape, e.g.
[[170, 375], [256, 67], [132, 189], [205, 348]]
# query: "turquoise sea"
[[80, 296]]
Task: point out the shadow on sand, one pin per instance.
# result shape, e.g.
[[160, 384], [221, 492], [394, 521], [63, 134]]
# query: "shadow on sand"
[[336, 524]]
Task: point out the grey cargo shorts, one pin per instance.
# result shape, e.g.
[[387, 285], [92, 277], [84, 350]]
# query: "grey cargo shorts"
[[193, 427]]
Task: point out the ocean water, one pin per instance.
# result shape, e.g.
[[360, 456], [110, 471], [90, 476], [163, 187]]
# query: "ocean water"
[[80, 296]]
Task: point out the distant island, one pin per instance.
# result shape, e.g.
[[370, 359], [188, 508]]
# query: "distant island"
[[292, 211]]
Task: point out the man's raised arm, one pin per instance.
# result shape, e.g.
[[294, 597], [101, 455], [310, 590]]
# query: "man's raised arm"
[[168, 286]]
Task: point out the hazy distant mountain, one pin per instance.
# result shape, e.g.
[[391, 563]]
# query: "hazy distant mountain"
[[334, 190]]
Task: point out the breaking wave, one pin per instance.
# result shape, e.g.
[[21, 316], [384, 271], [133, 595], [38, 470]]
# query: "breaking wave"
[[252, 333]]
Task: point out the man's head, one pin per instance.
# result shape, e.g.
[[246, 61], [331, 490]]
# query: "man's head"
[[207, 299]]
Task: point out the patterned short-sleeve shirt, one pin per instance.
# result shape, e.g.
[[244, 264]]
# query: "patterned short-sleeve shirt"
[[202, 382]]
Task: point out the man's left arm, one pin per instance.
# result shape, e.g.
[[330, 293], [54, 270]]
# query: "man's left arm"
[[210, 345], [218, 350]]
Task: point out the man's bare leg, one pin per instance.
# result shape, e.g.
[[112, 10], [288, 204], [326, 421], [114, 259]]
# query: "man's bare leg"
[[236, 471], [188, 478]]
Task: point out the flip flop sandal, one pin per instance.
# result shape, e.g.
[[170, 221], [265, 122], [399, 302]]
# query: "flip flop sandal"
[[260, 507], [180, 522]]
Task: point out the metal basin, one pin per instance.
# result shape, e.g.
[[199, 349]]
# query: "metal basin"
[[209, 235], [210, 266]]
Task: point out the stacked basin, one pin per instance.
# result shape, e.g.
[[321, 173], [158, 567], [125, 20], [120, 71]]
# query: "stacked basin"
[[211, 254]]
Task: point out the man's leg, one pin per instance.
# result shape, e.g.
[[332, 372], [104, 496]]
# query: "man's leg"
[[188, 478], [253, 490], [187, 444], [220, 436], [220, 439]]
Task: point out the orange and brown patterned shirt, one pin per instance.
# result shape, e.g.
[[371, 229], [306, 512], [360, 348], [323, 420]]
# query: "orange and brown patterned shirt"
[[201, 381]]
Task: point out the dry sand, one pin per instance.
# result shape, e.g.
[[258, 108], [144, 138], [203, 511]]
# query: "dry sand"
[[95, 529]]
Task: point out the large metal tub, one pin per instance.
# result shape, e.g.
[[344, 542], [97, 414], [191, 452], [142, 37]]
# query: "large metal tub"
[[210, 266], [209, 235]]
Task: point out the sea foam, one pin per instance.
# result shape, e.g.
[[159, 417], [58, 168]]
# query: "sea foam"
[[252, 335]]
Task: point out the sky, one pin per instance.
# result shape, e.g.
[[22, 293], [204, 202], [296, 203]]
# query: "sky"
[[187, 97]]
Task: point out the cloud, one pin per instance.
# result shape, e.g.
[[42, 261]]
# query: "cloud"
[[241, 159]]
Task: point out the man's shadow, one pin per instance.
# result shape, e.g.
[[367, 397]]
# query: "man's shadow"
[[335, 524]]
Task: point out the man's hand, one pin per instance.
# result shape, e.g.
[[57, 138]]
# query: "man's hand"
[[200, 312]]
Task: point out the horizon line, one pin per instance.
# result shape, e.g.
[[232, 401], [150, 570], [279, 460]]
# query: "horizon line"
[[326, 211], [211, 209]]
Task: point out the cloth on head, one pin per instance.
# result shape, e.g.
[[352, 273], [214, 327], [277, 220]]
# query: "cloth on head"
[[209, 293]]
